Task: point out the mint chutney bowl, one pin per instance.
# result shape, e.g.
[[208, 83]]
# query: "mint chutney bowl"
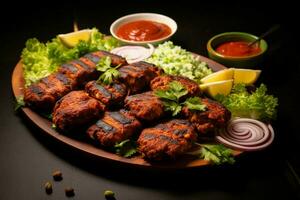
[[228, 39]]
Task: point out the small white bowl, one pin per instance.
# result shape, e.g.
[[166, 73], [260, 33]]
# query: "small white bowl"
[[143, 16]]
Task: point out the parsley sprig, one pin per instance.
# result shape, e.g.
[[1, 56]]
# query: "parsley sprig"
[[126, 148], [214, 153], [109, 73], [172, 95]]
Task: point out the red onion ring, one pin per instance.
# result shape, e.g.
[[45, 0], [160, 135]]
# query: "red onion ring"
[[134, 53], [246, 134]]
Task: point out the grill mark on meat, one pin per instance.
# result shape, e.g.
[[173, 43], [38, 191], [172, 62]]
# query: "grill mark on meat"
[[120, 118], [106, 53], [93, 58], [37, 90], [103, 90], [118, 88], [134, 68], [70, 67], [105, 127], [82, 64], [162, 127], [48, 82], [141, 66], [62, 78], [167, 138], [148, 136], [180, 132]]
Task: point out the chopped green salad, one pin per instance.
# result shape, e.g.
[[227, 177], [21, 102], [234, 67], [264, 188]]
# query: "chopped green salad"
[[41, 59], [177, 61]]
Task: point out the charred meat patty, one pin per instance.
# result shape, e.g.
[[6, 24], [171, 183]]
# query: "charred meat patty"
[[76, 110], [145, 106], [44, 94], [167, 140], [161, 82], [80, 71], [215, 116], [113, 94], [114, 127], [137, 76]]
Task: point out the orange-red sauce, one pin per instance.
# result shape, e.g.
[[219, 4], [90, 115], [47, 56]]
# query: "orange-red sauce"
[[238, 49], [143, 30]]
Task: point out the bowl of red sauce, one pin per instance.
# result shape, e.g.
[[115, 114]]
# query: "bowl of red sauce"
[[233, 50], [143, 28]]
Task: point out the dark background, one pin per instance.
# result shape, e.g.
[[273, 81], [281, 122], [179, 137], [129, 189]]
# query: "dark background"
[[28, 157]]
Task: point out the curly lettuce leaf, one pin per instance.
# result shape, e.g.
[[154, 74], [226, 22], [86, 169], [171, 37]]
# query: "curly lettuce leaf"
[[257, 105], [41, 59]]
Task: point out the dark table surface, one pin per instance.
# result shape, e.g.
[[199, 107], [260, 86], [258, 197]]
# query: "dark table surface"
[[28, 156]]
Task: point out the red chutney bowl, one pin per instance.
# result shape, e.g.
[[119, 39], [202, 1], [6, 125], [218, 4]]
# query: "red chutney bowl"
[[157, 28], [231, 49]]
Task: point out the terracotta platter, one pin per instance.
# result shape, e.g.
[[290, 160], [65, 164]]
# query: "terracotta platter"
[[92, 150]]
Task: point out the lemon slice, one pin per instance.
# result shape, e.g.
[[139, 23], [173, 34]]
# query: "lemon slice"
[[218, 87], [246, 76], [71, 39], [222, 75]]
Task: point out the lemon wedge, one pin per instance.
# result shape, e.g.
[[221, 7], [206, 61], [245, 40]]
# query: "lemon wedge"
[[218, 87], [246, 76], [71, 39], [225, 74]]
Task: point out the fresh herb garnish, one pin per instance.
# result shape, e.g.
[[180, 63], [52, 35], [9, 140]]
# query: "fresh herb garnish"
[[214, 153], [109, 73], [19, 103], [171, 98], [194, 103], [126, 148], [257, 105], [41, 59]]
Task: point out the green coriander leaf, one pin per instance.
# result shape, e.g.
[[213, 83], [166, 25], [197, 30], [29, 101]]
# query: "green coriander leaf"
[[177, 89], [163, 94], [217, 154], [194, 103], [108, 76], [172, 106], [126, 148], [104, 64]]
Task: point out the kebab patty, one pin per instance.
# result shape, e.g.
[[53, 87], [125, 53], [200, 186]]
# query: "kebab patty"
[[162, 82], [113, 94], [114, 127], [167, 140], [145, 106], [76, 110], [215, 116]]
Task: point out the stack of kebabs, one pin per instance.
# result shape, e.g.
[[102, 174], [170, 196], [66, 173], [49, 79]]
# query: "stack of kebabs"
[[125, 108]]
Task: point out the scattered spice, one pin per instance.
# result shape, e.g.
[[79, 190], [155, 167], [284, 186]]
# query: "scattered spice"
[[48, 187], [69, 192], [109, 194], [57, 175]]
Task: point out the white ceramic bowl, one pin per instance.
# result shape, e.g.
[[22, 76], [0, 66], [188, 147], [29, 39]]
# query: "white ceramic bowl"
[[143, 16]]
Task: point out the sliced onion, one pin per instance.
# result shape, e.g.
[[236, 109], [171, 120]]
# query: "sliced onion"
[[246, 134], [134, 53]]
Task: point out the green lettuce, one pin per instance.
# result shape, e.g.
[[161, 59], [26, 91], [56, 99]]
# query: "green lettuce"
[[41, 59], [257, 105]]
